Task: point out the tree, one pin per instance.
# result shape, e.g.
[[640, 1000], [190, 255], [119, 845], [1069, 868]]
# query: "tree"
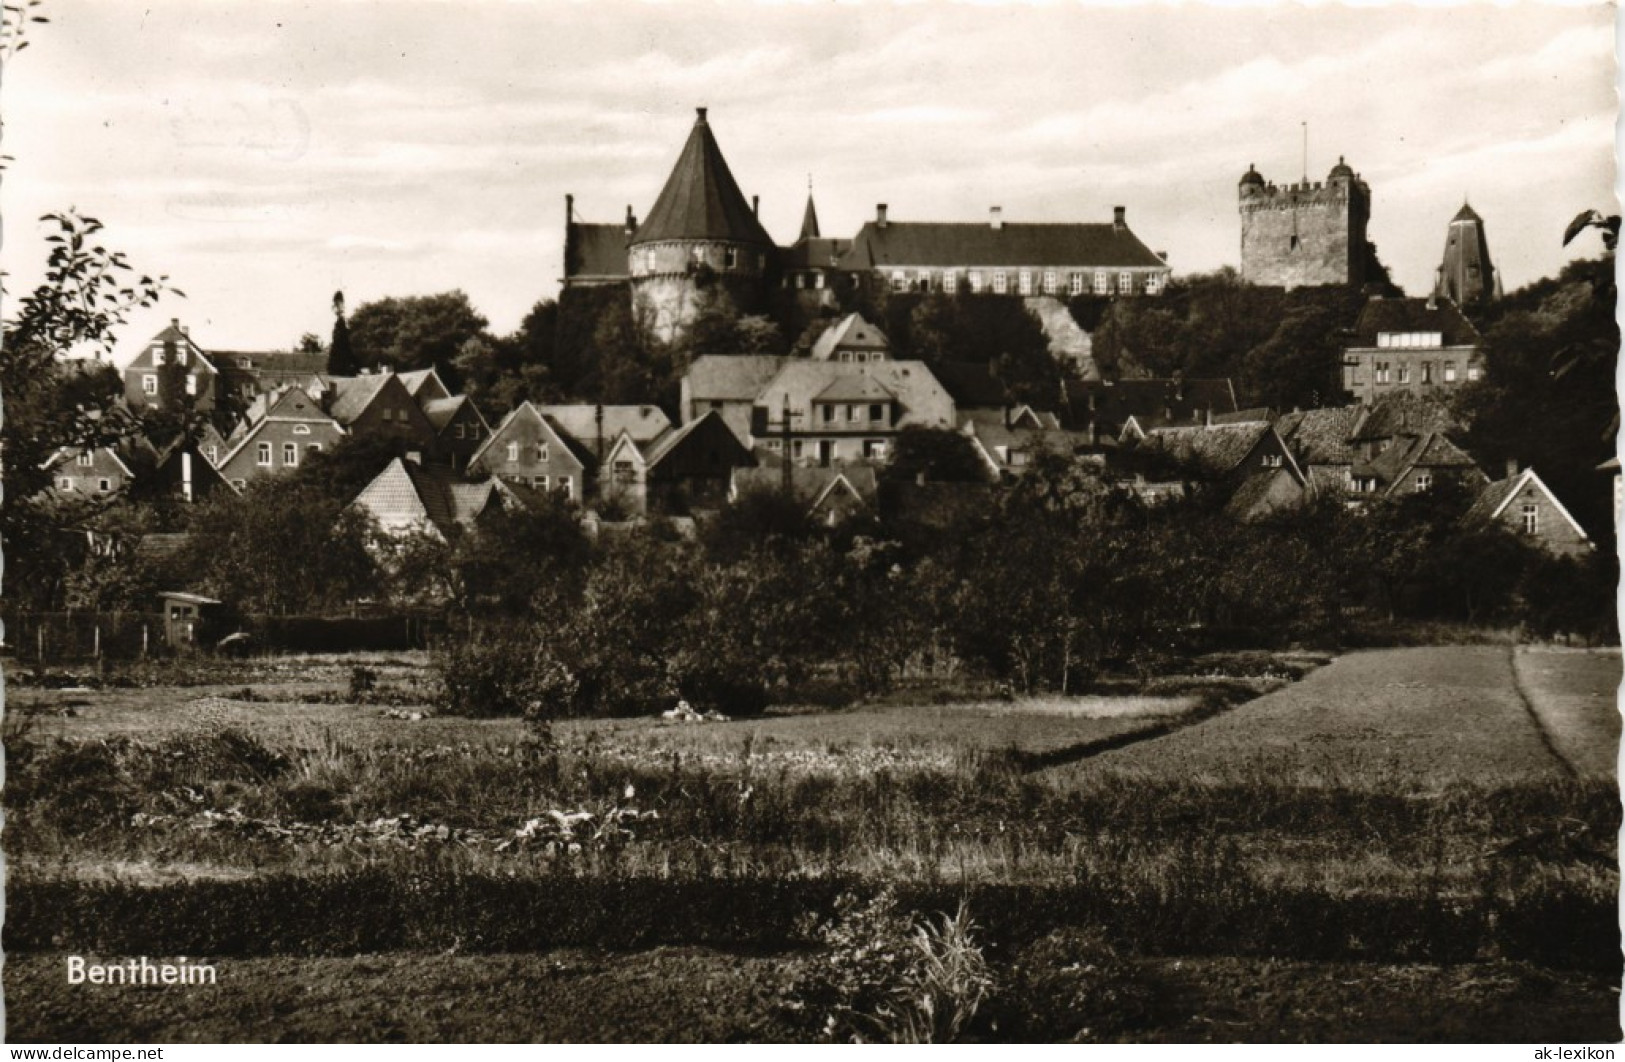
[[52, 403], [942, 455], [341, 359], [414, 332]]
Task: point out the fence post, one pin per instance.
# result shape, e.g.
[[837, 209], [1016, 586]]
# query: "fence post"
[[143, 639], [96, 643], [39, 633]]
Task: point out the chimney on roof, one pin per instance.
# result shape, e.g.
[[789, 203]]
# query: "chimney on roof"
[[755, 206], [631, 220], [569, 209], [414, 457], [880, 215], [700, 112], [1512, 467], [995, 216], [1118, 216]]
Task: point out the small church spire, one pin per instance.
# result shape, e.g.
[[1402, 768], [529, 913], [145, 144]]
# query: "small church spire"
[[809, 218]]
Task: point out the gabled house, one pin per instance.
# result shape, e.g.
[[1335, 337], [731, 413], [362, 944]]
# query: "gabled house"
[[594, 428], [198, 380], [181, 470], [293, 427], [683, 468], [460, 427], [212, 445], [90, 471], [411, 498], [851, 340], [729, 385], [247, 373], [832, 495], [527, 449], [379, 404], [828, 412], [1524, 505], [1249, 461], [1415, 463], [1007, 439], [425, 385], [1395, 446]]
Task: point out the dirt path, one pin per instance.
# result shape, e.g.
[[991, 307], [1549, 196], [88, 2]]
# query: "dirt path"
[[1574, 695], [1383, 719]]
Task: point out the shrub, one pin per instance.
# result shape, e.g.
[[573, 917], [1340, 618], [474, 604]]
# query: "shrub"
[[491, 672], [1071, 985]]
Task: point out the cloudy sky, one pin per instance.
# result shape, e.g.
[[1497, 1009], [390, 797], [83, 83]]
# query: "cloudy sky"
[[265, 154]]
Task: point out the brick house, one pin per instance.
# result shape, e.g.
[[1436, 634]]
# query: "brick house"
[[529, 450], [851, 339], [845, 413], [686, 467], [1420, 346], [460, 427], [293, 427], [199, 378], [1250, 462], [379, 404], [1524, 505], [89, 472]]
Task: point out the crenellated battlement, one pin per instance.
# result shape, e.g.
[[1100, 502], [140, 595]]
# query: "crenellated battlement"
[[1304, 233]]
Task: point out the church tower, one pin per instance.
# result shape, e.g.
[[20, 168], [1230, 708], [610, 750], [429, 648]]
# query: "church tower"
[[700, 233], [1466, 275]]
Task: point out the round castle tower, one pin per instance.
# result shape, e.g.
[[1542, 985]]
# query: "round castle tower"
[[699, 231]]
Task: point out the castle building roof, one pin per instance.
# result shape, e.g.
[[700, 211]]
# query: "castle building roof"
[[944, 244], [595, 251], [1414, 315], [701, 200], [1466, 274], [809, 220]]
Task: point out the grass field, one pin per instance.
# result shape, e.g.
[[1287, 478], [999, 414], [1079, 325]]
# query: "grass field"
[[1406, 844]]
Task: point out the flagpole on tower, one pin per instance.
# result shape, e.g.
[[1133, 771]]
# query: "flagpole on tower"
[[1305, 152]]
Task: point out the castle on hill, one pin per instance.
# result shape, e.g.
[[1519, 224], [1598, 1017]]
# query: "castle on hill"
[[702, 233]]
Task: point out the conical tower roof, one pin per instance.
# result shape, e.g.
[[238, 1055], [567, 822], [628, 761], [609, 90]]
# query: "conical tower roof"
[[1467, 213], [701, 200], [1466, 274], [809, 220]]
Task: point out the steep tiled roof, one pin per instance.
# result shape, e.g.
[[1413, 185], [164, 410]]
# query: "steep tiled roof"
[[406, 490], [1495, 496], [821, 252], [851, 332], [1406, 414], [270, 361], [580, 422], [808, 484], [923, 399], [701, 200], [419, 380], [595, 251], [1212, 451], [722, 377], [854, 389], [353, 394], [1414, 315], [940, 243], [1321, 436], [1023, 429], [440, 411], [187, 352], [809, 220]]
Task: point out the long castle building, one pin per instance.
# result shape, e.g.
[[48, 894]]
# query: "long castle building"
[[702, 234]]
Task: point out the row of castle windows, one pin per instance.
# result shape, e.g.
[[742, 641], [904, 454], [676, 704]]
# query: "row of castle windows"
[[1385, 372], [947, 282], [697, 257], [1410, 339]]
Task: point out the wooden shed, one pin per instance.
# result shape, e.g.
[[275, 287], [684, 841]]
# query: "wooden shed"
[[186, 616]]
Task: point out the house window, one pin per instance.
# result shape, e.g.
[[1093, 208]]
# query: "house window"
[[1272, 460], [567, 486], [541, 481], [104, 485], [263, 456], [1125, 283], [301, 429], [1103, 284], [818, 281], [801, 281], [459, 431], [1404, 373], [1474, 372], [844, 356], [1531, 519], [1449, 372], [149, 384], [776, 445], [1153, 283], [1049, 282], [730, 259], [1382, 372], [85, 458], [513, 451], [696, 255], [290, 453], [623, 472], [925, 280], [1001, 283], [212, 452], [1424, 480], [877, 412], [541, 453], [976, 280], [950, 281], [874, 449], [191, 383], [64, 482], [313, 448], [899, 280], [795, 449], [1075, 284], [1427, 372], [829, 414], [1024, 282], [851, 414]]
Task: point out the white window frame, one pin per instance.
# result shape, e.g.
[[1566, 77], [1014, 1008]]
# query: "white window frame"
[[64, 483], [1103, 282], [543, 454], [542, 482], [1449, 372], [85, 458], [191, 383], [104, 485], [1474, 374], [1001, 282], [1051, 282], [1424, 481], [1024, 282], [567, 487], [899, 280], [1074, 285], [262, 455], [950, 281], [974, 280], [149, 384], [1153, 283], [290, 455], [301, 429], [924, 279], [1125, 283], [1531, 518], [513, 452], [730, 260]]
